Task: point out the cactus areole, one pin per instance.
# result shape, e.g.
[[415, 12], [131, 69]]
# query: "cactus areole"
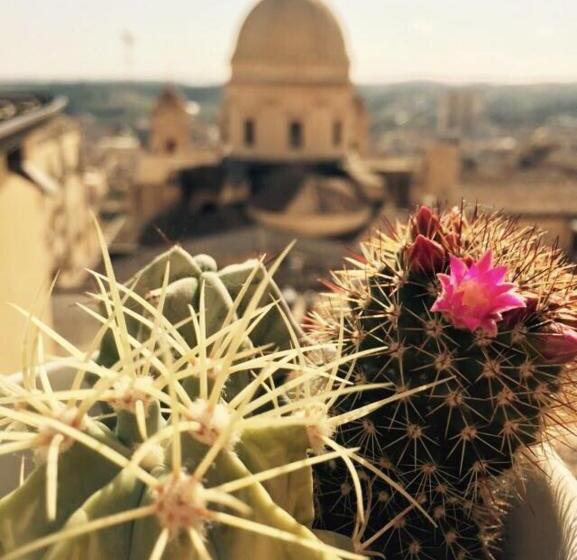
[[485, 309]]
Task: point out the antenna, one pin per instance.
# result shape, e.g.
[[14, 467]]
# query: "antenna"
[[127, 39]]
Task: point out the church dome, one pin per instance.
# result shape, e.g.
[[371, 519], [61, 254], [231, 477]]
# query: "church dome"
[[291, 41]]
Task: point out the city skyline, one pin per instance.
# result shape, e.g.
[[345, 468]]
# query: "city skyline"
[[191, 41]]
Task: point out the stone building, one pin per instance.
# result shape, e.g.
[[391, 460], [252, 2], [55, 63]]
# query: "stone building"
[[530, 185], [157, 184], [290, 97], [155, 167], [170, 130], [293, 125], [46, 199], [459, 112], [544, 194], [293, 129], [440, 173]]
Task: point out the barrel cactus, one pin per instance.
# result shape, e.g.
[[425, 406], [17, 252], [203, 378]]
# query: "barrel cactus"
[[196, 434], [482, 304]]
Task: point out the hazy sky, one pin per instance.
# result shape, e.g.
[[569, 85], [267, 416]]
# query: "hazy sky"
[[191, 40]]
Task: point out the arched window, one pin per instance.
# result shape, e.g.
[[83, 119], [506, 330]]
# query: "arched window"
[[170, 146], [249, 133], [296, 135], [337, 133]]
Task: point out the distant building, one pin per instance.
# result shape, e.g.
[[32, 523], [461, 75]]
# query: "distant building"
[[541, 189], [293, 125], [293, 134], [459, 112], [155, 168], [170, 126], [158, 186], [46, 196], [290, 97], [441, 173], [536, 183]]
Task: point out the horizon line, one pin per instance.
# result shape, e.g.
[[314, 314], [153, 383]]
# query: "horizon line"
[[487, 81]]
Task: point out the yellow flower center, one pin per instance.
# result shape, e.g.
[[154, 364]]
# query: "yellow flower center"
[[473, 294]]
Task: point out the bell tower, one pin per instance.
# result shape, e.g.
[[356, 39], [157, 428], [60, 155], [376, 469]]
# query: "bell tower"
[[170, 124]]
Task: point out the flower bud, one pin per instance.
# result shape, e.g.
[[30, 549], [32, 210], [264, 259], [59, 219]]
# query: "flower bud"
[[425, 255], [425, 223], [557, 343], [522, 314]]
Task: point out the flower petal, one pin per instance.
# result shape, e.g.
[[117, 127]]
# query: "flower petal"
[[458, 268], [486, 261]]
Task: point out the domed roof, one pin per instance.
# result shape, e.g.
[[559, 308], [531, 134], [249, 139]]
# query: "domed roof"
[[291, 41]]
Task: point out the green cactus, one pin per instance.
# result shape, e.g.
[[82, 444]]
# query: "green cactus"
[[483, 305], [208, 455], [188, 277]]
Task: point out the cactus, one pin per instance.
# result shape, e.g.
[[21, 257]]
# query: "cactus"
[[216, 414], [188, 278], [486, 308]]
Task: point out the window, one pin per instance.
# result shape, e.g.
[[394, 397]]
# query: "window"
[[249, 133], [14, 160], [170, 146], [224, 130], [296, 135], [337, 133]]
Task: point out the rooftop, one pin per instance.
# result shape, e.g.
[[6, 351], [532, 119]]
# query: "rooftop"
[[545, 185], [522, 197], [20, 112]]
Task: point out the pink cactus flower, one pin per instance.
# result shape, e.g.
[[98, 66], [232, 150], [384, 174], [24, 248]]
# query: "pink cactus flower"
[[557, 343], [425, 255], [474, 297]]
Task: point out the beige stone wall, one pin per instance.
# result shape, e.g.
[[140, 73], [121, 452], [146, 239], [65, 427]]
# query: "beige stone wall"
[[274, 107], [45, 228], [25, 263], [152, 192], [82, 248], [533, 198], [362, 126], [55, 149]]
